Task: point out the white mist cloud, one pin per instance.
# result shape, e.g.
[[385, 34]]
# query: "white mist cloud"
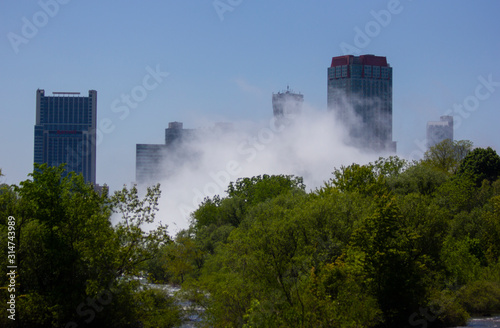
[[310, 145]]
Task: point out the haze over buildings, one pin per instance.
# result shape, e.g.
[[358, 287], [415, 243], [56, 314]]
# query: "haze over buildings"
[[152, 160], [287, 103], [360, 95], [359, 86], [438, 131], [65, 131], [161, 162]]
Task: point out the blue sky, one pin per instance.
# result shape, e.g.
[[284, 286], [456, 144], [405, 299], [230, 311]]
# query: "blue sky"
[[222, 60]]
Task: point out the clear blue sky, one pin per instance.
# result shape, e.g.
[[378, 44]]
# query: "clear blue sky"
[[225, 59]]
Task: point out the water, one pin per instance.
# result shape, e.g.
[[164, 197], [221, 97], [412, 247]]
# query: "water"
[[488, 322]]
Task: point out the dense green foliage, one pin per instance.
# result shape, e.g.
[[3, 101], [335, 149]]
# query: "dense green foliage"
[[447, 155], [73, 265], [482, 164], [386, 244]]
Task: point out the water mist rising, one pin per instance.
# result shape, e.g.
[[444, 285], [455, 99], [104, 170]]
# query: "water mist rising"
[[310, 144]]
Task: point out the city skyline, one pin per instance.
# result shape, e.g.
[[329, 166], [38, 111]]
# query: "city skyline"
[[189, 62]]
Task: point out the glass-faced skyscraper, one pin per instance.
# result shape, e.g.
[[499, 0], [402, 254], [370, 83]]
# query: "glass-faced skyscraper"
[[65, 131], [360, 94]]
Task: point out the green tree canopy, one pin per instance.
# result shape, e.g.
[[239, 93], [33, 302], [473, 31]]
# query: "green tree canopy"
[[260, 188], [358, 178], [482, 164], [216, 217], [418, 178], [447, 155], [73, 264]]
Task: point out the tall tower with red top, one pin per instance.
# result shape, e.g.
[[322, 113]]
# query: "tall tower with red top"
[[360, 95]]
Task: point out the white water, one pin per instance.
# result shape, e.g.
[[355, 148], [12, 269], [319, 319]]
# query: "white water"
[[488, 322]]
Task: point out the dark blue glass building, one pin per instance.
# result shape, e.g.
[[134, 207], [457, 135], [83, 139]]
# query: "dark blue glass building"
[[65, 131]]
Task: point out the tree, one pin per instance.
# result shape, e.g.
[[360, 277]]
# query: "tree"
[[491, 234], [216, 218], [73, 264], [63, 243], [358, 178], [391, 166], [135, 245], [482, 164], [181, 257], [395, 272], [447, 155], [457, 194], [260, 188], [339, 297], [418, 178], [461, 265], [385, 244], [258, 272]]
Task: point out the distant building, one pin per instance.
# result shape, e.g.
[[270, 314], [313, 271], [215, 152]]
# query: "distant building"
[[65, 131], [439, 130], [175, 133], [155, 162], [148, 162], [360, 95], [287, 103]]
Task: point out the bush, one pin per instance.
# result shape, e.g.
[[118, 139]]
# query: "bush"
[[481, 297], [444, 310], [158, 309]]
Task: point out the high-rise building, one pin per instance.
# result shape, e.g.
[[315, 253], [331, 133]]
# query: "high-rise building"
[[65, 131], [149, 162], [155, 162], [176, 133], [438, 131], [287, 103], [360, 95]]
